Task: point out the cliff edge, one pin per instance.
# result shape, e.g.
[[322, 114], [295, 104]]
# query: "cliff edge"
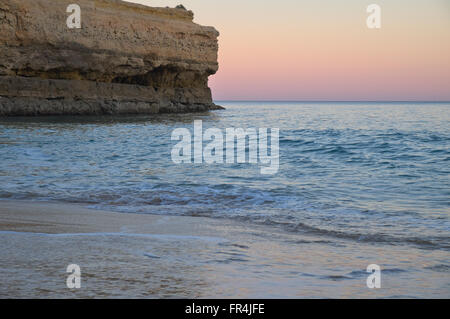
[[125, 58]]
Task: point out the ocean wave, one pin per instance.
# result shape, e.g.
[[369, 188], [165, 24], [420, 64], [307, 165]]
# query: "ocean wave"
[[436, 242], [377, 174], [272, 208], [439, 268]]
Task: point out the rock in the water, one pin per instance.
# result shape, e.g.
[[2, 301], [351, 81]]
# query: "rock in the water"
[[125, 58]]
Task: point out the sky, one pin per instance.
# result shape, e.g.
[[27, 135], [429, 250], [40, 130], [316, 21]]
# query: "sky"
[[323, 50]]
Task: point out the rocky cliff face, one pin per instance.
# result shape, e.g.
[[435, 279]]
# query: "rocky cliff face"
[[125, 58]]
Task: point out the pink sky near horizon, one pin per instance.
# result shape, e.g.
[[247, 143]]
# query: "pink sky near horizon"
[[323, 50]]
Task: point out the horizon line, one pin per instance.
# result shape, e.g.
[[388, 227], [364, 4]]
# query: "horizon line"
[[337, 101]]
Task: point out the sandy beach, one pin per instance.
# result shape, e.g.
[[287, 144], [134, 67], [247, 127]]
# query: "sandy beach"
[[124, 255], [60, 218], [120, 255]]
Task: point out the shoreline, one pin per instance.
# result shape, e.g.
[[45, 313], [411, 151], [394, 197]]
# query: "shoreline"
[[122, 255], [60, 218], [129, 255]]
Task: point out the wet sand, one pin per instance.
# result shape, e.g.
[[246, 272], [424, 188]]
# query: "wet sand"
[[57, 218], [120, 255], [150, 256]]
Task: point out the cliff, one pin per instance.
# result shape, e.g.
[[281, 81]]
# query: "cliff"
[[125, 58]]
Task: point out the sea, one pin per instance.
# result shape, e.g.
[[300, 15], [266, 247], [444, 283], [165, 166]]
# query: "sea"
[[358, 184]]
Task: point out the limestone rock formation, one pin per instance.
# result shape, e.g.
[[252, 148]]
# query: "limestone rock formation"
[[125, 58]]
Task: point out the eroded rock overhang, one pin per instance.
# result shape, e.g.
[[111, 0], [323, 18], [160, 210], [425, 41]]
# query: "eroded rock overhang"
[[125, 58]]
